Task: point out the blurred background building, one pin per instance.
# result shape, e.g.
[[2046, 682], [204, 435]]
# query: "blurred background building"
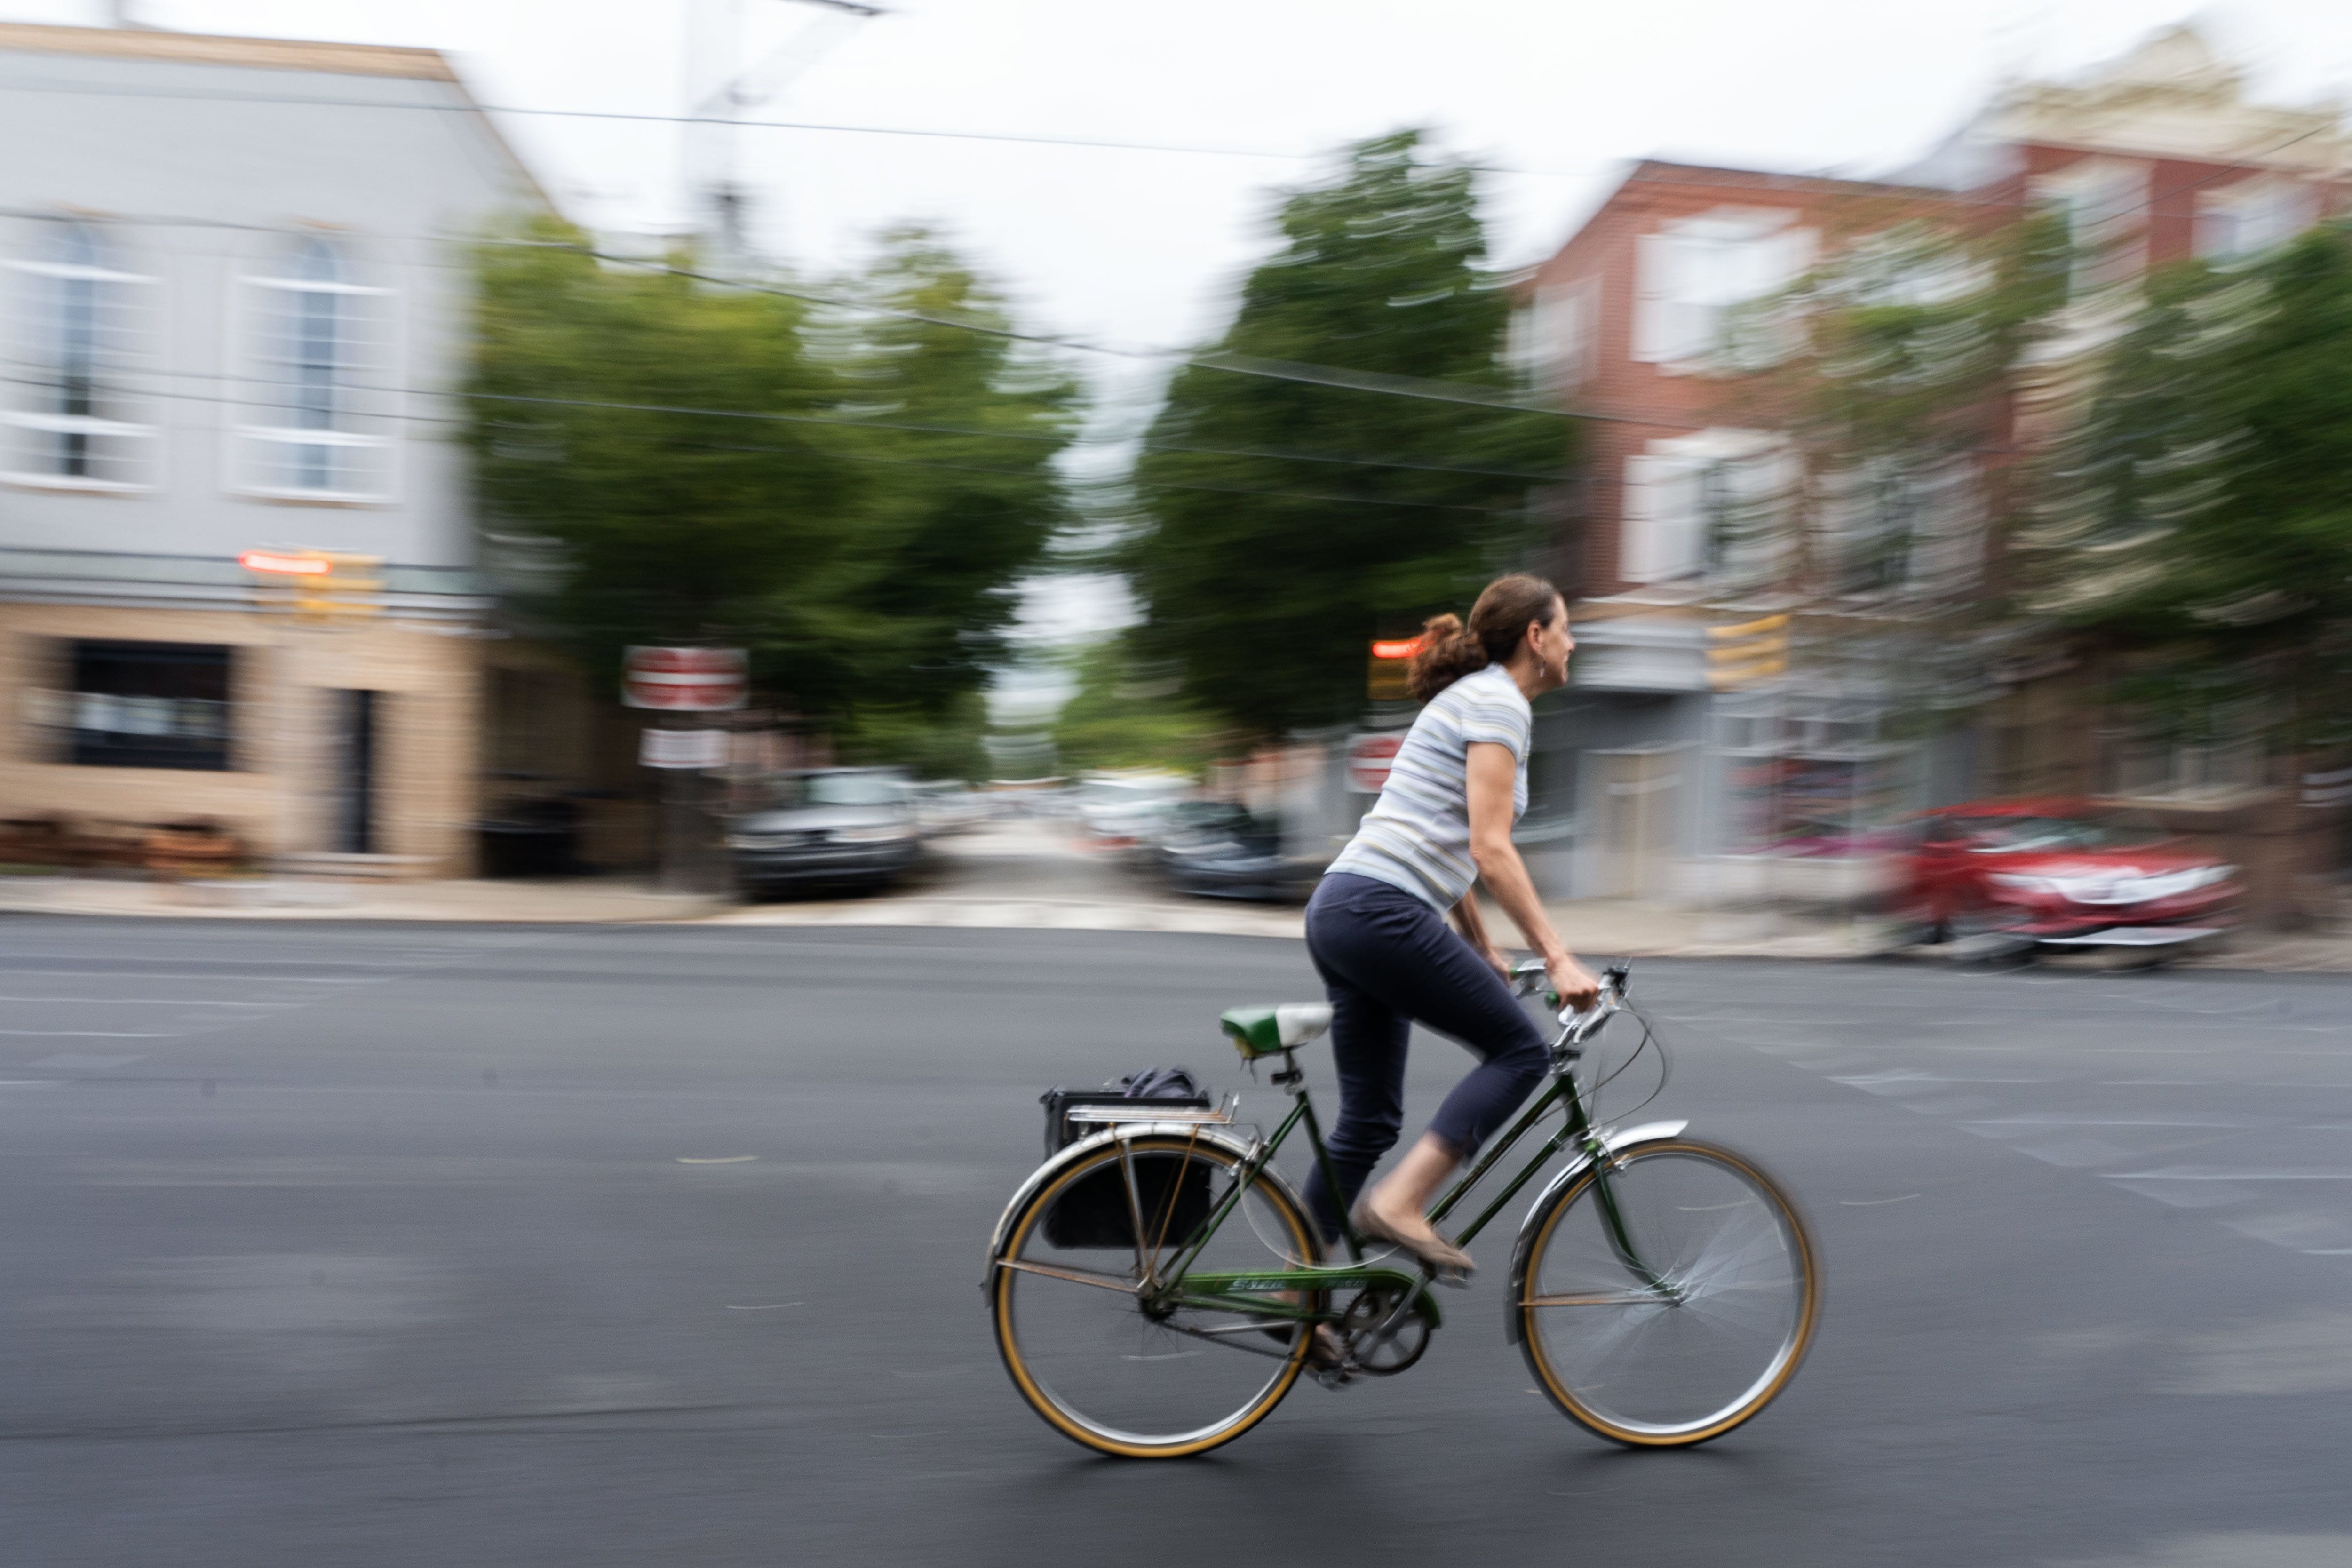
[[235, 300], [1736, 726]]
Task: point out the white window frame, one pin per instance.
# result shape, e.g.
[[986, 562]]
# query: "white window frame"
[[2105, 203], [121, 350], [2276, 208], [1552, 336], [1665, 526], [1688, 282], [365, 406]]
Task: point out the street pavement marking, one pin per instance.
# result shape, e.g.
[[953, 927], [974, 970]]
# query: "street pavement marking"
[[94, 1034], [715, 1159], [1874, 1203], [770, 1307], [145, 1001], [1884, 1049]]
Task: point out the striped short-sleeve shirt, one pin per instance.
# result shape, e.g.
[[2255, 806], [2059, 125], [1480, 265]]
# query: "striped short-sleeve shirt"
[[1417, 835]]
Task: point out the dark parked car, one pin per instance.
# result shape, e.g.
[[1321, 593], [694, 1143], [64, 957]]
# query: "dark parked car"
[[826, 827], [2064, 873], [1227, 853]]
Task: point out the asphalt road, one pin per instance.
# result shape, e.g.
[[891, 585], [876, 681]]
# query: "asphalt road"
[[353, 1245]]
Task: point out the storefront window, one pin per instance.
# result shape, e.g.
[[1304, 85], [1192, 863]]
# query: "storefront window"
[[150, 705]]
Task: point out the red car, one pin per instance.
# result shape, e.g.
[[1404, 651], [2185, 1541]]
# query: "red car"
[[2064, 873]]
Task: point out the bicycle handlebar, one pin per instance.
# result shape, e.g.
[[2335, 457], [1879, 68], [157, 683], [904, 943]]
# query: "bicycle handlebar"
[[1528, 974]]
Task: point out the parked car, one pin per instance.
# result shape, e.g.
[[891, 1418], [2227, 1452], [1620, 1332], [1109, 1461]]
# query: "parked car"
[[1229, 853], [1185, 825], [1117, 811], [2064, 873], [949, 805], [826, 826]]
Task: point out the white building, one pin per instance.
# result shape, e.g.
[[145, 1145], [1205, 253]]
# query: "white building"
[[233, 295]]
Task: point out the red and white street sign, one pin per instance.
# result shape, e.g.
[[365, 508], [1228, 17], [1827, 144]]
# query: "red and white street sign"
[[684, 680], [1369, 757]]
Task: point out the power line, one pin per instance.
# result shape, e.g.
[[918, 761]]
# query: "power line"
[[626, 116], [1423, 388], [867, 458], [905, 427]]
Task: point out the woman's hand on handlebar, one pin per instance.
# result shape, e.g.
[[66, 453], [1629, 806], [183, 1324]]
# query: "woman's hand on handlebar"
[[1574, 984]]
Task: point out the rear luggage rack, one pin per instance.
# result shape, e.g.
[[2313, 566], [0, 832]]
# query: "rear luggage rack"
[[1146, 1111]]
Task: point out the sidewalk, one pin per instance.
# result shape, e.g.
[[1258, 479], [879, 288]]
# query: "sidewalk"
[[1602, 927]]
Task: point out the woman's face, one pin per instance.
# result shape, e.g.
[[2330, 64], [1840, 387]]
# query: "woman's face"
[[1552, 644]]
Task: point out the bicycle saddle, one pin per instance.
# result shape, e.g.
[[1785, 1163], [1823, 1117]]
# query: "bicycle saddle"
[[1263, 1031]]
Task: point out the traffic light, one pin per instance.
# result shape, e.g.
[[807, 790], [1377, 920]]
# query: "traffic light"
[[1751, 651], [1391, 658]]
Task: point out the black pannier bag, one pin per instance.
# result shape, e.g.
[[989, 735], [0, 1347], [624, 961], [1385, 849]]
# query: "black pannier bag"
[[1094, 1212]]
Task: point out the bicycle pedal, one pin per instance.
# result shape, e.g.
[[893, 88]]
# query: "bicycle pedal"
[[1333, 1377]]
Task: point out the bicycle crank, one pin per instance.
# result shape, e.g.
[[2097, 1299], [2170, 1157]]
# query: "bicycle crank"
[[1387, 1327]]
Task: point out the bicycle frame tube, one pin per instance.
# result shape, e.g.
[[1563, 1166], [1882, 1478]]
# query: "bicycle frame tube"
[[1576, 1124], [1263, 1157]]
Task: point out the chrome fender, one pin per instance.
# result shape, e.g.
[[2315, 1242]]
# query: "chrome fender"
[[1616, 1141], [1194, 1131]]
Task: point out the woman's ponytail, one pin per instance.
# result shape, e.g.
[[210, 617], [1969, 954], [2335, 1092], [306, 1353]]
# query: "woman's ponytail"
[[1498, 621], [1448, 652]]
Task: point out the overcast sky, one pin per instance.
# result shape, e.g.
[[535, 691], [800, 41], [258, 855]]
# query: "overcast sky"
[[1144, 249]]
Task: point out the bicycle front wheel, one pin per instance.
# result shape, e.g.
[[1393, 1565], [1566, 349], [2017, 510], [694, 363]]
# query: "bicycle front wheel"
[[1668, 1298], [1112, 1363]]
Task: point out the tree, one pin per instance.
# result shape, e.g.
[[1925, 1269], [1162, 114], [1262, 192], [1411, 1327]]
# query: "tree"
[[957, 501], [851, 501], [1127, 714], [1284, 525], [2200, 523], [1900, 395]]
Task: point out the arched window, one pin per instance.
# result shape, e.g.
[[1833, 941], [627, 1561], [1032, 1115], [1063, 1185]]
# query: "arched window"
[[316, 359], [77, 327]]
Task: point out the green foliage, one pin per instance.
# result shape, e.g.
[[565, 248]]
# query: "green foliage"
[[1899, 392], [933, 743], [2200, 519], [1127, 714], [868, 569], [1264, 575]]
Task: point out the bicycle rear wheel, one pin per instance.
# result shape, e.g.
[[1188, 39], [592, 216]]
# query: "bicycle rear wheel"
[[1084, 1349], [1669, 1301]]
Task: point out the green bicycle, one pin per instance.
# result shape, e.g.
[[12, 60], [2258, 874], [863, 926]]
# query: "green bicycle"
[[1663, 1290]]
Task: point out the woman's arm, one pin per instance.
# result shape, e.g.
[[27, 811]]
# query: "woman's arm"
[[1493, 775], [1472, 927]]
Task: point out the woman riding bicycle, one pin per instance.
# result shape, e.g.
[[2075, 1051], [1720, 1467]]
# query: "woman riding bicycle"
[[1376, 927]]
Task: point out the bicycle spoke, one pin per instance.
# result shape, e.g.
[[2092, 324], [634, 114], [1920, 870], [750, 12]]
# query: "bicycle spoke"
[[1704, 1346], [1123, 1361], [1075, 1276]]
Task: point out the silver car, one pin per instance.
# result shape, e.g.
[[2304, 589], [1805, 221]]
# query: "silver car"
[[826, 827]]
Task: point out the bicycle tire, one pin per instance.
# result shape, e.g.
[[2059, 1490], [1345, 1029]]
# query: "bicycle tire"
[[1587, 1336], [1045, 1377]]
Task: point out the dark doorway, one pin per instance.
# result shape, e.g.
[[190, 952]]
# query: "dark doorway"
[[356, 721]]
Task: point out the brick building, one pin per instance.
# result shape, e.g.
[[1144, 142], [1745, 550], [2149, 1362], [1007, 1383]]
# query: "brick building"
[[1707, 559]]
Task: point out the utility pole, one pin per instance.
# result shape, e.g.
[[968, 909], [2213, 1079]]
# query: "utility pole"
[[718, 92]]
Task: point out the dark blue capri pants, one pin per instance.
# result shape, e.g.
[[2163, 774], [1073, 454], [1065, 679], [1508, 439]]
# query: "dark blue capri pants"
[[1389, 960]]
